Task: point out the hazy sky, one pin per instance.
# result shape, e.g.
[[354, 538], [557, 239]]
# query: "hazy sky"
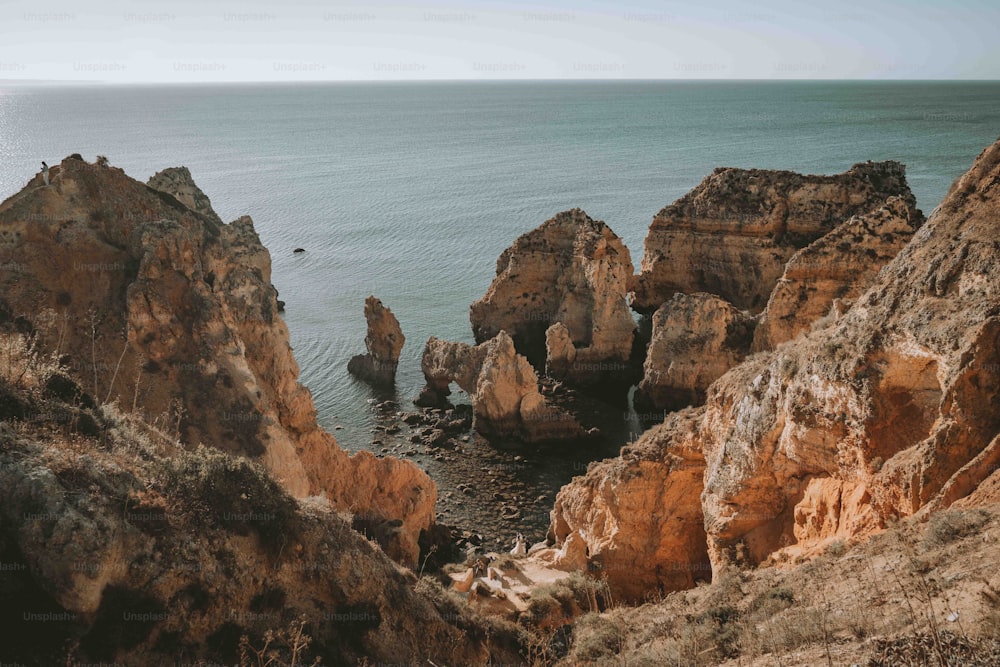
[[253, 40]]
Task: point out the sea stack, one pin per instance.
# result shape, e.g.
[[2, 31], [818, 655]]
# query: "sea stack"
[[502, 385], [571, 273], [384, 342]]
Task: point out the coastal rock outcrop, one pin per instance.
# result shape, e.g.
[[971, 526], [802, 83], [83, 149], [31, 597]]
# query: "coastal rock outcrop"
[[502, 386], [384, 342], [571, 272], [696, 338], [123, 548], [733, 234], [637, 519], [835, 268], [172, 315], [178, 183], [888, 409]]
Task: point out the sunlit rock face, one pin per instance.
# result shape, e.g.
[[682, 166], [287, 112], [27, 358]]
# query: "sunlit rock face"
[[172, 314]]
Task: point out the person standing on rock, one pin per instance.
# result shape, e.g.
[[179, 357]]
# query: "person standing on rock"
[[520, 547], [45, 173]]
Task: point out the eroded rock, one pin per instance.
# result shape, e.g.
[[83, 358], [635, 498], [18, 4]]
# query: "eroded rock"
[[887, 410], [502, 386], [696, 338], [571, 272], [835, 268], [637, 520], [166, 311], [384, 342], [733, 234], [178, 182]]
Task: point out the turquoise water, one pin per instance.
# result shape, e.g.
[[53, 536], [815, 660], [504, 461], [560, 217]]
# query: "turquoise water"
[[411, 191]]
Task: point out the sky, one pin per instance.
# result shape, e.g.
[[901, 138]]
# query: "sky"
[[152, 41]]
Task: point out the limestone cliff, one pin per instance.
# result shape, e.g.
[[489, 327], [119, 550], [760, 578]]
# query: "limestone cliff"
[[384, 342], [893, 407], [834, 269], [637, 519], [571, 272], [732, 235], [172, 315], [502, 386], [696, 338]]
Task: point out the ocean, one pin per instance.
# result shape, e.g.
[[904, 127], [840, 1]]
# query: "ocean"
[[410, 191]]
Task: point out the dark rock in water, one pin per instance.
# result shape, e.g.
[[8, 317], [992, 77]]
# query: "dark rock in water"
[[436, 437], [430, 398], [299, 250]]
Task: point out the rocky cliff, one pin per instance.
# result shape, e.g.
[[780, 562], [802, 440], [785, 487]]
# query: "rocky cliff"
[[172, 315], [384, 341], [732, 235], [637, 520], [695, 339], [572, 272], [120, 547], [890, 408], [834, 269], [502, 386]]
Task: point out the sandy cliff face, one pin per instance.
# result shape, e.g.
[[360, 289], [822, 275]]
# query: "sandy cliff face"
[[638, 518], [574, 271], [732, 235], [173, 315], [888, 409], [696, 338], [835, 268]]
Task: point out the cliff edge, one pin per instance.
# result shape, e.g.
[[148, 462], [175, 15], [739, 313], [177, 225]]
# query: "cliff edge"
[[171, 314]]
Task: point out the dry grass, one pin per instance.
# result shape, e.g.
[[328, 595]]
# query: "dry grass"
[[919, 594], [22, 364]]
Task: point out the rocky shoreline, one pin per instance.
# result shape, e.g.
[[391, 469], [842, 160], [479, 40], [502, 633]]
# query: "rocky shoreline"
[[815, 359]]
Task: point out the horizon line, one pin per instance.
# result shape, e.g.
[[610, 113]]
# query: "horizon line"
[[104, 82]]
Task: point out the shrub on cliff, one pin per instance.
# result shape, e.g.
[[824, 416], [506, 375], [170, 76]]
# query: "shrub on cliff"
[[232, 493]]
